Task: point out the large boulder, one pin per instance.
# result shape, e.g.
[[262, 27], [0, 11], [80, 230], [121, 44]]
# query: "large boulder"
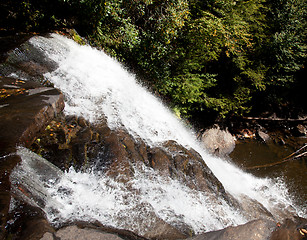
[[261, 229], [217, 141], [27, 222], [75, 233], [92, 231], [254, 230]]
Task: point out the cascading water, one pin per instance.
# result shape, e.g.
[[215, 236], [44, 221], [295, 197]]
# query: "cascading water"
[[95, 85]]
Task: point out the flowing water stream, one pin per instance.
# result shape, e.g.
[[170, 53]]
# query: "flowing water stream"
[[95, 86]]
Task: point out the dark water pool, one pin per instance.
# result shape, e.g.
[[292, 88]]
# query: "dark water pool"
[[249, 154]]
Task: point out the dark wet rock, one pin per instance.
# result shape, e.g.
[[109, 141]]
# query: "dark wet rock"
[[187, 166], [28, 185], [254, 210], [8, 43], [259, 230], [27, 222], [22, 116], [117, 153], [8, 162], [300, 130], [153, 227], [30, 66], [254, 230], [82, 122], [64, 142], [217, 141], [163, 230], [5, 196]]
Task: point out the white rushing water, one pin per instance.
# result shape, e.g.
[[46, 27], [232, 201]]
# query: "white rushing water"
[[95, 85]]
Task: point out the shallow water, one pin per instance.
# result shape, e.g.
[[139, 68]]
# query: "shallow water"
[[249, 154]]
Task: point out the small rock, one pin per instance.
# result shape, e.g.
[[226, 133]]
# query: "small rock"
[[263, 136], [301, 130]]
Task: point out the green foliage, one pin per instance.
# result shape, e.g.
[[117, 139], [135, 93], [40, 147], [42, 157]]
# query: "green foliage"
[[187, 91], [288, 41], [216, 68], [32, 15], [202, 55]]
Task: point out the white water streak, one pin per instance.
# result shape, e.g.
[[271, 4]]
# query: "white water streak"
[[135, 205]]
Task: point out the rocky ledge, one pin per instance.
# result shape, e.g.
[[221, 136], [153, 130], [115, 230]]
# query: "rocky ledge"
[[26, 107]]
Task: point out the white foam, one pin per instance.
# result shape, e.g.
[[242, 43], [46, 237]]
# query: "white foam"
[[132, 206]]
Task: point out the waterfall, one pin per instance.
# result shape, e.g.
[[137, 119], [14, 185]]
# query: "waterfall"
[[96, 86]]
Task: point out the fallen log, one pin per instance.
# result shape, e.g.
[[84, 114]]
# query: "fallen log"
[[286, 159], [277, 119]]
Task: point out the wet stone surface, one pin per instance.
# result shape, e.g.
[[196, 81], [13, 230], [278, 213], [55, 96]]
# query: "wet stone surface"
[[25, 108], [260, 230], [70, 141], [254, 230], [93, 231]]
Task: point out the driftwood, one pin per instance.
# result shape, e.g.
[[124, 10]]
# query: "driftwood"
[[291, 157], [276, 119]]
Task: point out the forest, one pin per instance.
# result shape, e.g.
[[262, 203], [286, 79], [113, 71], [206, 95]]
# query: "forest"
[[217, 58]]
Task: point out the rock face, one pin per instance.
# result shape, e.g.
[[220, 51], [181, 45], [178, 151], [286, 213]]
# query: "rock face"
[[26, 107], [92, 231], [72, 141], [75, 233], [27, 222]]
